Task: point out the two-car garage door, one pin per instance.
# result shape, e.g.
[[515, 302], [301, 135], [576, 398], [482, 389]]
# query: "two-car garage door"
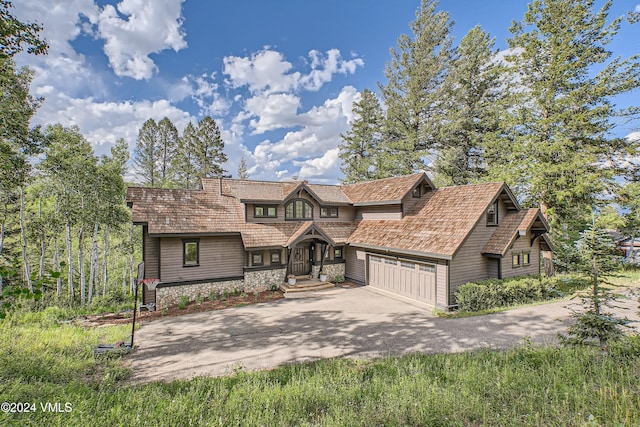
[[404, 277]]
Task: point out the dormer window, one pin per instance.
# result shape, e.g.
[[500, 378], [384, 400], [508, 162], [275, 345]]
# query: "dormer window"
[[265, 211], [298, 209], [417, 192], [326, 212], [492, 214]]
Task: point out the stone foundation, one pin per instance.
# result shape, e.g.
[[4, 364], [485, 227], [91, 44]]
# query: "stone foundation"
[[331, 270], [262, 280], [254, 281]]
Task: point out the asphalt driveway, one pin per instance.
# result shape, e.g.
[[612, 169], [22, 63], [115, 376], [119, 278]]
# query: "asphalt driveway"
[[358, 323]]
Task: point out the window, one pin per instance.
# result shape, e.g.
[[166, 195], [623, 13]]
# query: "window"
[[417, 192], [515, 260], [265, 211], [526, 258], [256, 258], [190, 253], [275, 257], [375, 259], [337, 253], [298, 209], [428, 268], [390, 261], [492, 214], [328, 212], [409, 265]]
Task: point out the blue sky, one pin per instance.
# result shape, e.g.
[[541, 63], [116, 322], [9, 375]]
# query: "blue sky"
[[279, 77]]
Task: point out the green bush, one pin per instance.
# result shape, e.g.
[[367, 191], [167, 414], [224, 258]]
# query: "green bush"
[[182, 304], [492, 293]]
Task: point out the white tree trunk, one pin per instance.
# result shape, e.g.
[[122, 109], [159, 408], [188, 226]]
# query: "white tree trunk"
[[93, 261], [42, 247], [1, 243], [83, 284], [105, 254], [124, 276], [69, 261], [56, 264], [23, 231]]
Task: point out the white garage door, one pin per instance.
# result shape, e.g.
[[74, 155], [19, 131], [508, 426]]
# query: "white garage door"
[[404, 277]]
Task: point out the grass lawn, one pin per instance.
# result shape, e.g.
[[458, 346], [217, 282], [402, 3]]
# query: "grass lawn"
[[45, 360]]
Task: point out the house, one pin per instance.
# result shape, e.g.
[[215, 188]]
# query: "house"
[[402, 235], [630, 249]]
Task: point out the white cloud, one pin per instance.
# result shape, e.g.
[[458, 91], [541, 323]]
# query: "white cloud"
[[268, 72], [633, 136], [319, 166], [274, 111], [637, 9], [149, 27]]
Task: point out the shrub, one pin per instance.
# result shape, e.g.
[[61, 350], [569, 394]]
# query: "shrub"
[[492, 293], [184, 300]]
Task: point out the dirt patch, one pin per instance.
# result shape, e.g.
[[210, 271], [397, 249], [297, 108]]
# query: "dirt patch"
[[124, 317]]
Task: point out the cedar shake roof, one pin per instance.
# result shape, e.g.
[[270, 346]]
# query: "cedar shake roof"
[[512, 225], [437, 225], [383, 190]]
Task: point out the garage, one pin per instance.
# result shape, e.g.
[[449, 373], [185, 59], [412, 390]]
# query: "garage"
[[404, 277]]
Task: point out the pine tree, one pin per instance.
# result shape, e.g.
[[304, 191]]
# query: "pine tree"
[[472, 101], [558, 143], [167, 146], [242, 170], [414, 92], [598, 259], [208, 150], [360, 149], [147, 155], [183, 166]]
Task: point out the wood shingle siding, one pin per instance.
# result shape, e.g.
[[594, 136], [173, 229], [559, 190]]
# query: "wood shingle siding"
[[220, 257], [521, 245]]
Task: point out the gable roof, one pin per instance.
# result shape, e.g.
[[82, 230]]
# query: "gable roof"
[[389, 190], [437, 225], [513, 225]]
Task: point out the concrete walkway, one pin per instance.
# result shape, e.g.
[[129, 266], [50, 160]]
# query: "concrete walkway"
[[358, 323]]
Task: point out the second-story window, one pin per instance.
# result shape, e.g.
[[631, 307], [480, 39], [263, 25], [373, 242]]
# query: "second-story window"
[[327, 212], [492, 214], [298, 209], [265, 211]]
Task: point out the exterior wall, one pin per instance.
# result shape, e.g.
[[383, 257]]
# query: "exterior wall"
[[442, 283], [220, 257], [266, 257], [151, 255], [469, 264], [522, 244], [379, 212], [409, 201], [355, 264], [262, 280]]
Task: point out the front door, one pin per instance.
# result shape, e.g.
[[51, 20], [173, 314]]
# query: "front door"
[[300, 264]]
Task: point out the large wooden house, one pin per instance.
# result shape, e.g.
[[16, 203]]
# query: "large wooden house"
[[400, 235]]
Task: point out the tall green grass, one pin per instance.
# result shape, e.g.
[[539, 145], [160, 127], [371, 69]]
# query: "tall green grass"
[[44, 359]]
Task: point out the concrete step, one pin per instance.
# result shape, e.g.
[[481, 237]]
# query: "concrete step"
[[306, 287]]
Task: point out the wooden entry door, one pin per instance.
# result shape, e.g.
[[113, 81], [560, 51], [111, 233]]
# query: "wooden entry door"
[[300, 264]]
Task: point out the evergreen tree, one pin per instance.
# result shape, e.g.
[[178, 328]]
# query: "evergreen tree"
[[167, 146], [360, 149], [208, 150], [413, 94], [597, 258], [183, 166], [557, 147], [147, 155], [473, 98], [242, 170]]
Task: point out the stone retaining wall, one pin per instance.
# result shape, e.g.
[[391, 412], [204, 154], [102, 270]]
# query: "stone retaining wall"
[[254, 281]]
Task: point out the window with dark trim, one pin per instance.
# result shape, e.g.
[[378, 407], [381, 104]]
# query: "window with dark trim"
[[492, 214], [298, 209], [526, 258], [515, 260], [257, 258], [275, 258], [337, 253], [328, 212], [417, 191], [265, 211], [191, 253]]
